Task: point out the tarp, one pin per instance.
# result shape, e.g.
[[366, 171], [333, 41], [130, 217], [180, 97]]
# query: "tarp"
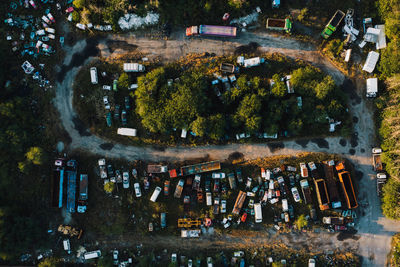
[[127, 131], [371, 61], [381, 43]]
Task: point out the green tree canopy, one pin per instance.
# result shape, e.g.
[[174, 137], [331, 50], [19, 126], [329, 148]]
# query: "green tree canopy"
[[325, 87], [199, 126], [109, 187], [36, 155], [79, 3], [124, 81], [279, 88], [301, 222]]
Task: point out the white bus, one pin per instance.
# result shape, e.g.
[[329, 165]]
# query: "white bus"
[[257, 212], [92, 254], [93, 75], [155, 194]]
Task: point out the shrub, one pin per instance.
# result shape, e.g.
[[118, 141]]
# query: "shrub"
[[79, 3]]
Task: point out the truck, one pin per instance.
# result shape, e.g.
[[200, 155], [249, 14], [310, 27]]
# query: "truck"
[[157, 169], [229, 68], [329, 167], [211, 30], [71, 187], [279, 25], [380, 182], [102, 166], [133, 67], [200, 168], [83, 193], [322, 194], [196, 182], [179, 188], [376, 157], [347, 186], [305, 188], [333, 24], [239, 203], [57, 187], [333, 220]]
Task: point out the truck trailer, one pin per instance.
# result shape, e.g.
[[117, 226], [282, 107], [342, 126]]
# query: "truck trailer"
[[279, 25], [83, 193], [200, 168], [71, 188], [322, 194], [333, 24], [331, 183], [211, 30], [347, 186]]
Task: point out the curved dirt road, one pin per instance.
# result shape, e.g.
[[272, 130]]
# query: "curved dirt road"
[[374, 230]]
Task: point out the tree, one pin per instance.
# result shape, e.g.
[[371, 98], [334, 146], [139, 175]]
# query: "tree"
[[75, 16], [334, 47], [295, 126], [217, 126], [124, 81], [50, 262], [391, 199], [304, 80], [279, 88], [36, 155], [199, 126], [109, 187], [324, 88], [301, 222], [303, 14], [79, 3], [24, 167]]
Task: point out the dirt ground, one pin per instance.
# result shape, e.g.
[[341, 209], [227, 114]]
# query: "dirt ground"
[[374, 231]]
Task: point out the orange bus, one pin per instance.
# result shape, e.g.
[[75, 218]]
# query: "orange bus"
[[347, 186]]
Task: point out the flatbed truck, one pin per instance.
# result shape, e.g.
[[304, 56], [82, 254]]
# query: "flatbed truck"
[[279, 25], [333, 24], [211, 30]]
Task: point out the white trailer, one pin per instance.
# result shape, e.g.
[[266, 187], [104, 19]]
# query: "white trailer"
[[252, 62], [371, 61], [93, 75], [92, 255], [258, 213], [127, 131], [133, 67], [372, 87]]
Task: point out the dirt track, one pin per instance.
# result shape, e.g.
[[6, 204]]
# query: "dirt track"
[[374, 230]]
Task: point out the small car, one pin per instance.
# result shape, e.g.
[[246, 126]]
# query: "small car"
[[287, 219], [251, 203], [123, 117], [312, 166], [107, 87], [150, 227], [115, 85], [200, 197], [105, 100], [296, 195], [115, 257], [118, 176], [138, 192], [166, 187], [303, 170], [292, 181], [116, 112], [134, 173], [216, 186], [248, 183], [291, 212], [218, 175], [110, 170], [208, 186], [127, 103], [146, 183], [125, 179], [244, 217], [223, 206]]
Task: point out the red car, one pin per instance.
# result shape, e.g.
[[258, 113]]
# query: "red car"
[[166, 187], [244, 217], [340, 228]]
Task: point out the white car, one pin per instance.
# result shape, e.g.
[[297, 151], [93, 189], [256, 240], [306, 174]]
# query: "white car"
[[223, 206], [138, 192], [218, 175], [125, 179], [115, 257], [296, 194], [107, 87], [105, 100], [81, 26]]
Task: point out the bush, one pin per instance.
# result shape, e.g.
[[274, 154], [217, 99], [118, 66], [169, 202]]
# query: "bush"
[[390, 200], [75, 16], [334, 47], [124, 81], [109, 187], [79, 3], [303, 14], [35, 155]]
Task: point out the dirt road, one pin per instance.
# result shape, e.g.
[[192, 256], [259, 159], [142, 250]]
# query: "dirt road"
[[374, 230]]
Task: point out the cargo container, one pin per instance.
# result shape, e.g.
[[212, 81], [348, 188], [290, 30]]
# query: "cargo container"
[[347, 186], [211, 30], [322, 194], [329, 167]]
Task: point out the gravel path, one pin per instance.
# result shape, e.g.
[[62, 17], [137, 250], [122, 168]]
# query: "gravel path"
[[374, 230]]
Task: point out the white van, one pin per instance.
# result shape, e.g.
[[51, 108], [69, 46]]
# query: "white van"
[[67, 246], [257, 212], [92, 255], [155, 194], [93, 75], [208, 199], [285, 206]]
